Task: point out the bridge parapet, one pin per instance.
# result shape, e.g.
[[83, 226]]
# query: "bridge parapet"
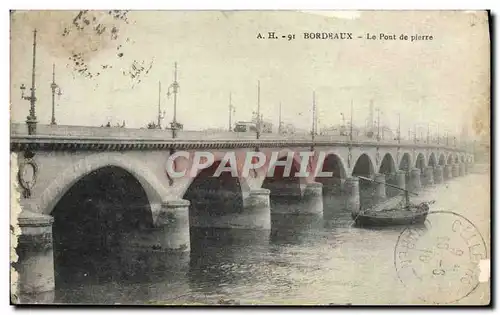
[[19, 143], [113, 138]]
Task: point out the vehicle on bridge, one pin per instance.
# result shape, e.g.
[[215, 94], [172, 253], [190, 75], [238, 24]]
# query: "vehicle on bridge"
[[250, 126], [177, 125], [245, 126]]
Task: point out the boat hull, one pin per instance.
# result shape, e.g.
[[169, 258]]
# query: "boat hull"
[[375, 220], [388, 213]]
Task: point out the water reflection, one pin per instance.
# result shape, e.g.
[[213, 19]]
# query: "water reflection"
[[221, 257], [303, 259]]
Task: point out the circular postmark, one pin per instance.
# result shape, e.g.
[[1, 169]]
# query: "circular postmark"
[[439, 261]]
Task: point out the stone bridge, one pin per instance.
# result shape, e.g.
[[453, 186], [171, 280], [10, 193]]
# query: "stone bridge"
[[61, 164]]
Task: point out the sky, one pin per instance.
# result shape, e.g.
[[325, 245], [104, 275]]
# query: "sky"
[[444, 82]]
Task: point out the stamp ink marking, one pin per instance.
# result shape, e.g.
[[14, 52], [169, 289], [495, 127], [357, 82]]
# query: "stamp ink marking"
[[439, 262]]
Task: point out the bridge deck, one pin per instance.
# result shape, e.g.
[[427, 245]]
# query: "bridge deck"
[[54, 137]]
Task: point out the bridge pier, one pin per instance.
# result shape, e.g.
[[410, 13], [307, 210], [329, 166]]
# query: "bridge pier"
[[429, 175], [254, 215], [35, 263], [163, 247], [173, 221], [438, 174], [470, 168], [352, 199], [332, 186], [454, 170], [257, 207], [466, 168], [401, 180], [448, 174], [380, 193], [391, 178], [415, 184], [170, 232], [312, 199], [461, 169]]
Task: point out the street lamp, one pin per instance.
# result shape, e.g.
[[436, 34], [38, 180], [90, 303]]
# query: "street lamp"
[[428, 132], [415, 133], [419, 129], [280, 123], [161, 114], [232, 110], [31, 119], [378, 124], [175, 88], [399, 127], [430, 137], [437, 133], [54, 87], [350, 128], [343, 123], [258, 110], [313, 127]]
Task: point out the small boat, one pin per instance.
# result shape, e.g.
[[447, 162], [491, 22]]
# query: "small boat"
[[397, 210]]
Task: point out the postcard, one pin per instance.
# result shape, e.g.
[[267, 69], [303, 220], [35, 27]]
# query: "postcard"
[[250, 157]]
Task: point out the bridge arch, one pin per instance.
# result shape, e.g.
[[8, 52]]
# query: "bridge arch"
[[281, 185], [432, 161], [420, 161], [335, 164], [282, 154], [388, 168], [285, 191], [364, 166], [98, 206], [388, 165], [405, 163], [154, 190], [442, 159], [449, 159], [213, 196], [181, 185]]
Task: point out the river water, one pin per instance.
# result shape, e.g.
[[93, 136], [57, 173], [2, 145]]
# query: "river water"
[[302, 261]]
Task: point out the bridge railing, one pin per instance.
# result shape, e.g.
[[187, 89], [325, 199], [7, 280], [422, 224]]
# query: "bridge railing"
[[120, 134]]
